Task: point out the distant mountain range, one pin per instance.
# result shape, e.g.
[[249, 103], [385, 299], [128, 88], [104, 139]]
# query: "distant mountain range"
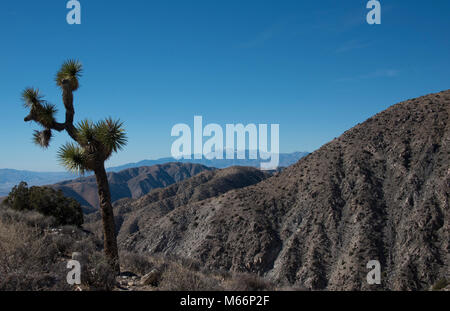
[[10, 177], [286, 159]]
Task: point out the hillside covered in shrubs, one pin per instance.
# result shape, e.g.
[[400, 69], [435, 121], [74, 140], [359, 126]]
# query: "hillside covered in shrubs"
[[34, 251], [41, 230]]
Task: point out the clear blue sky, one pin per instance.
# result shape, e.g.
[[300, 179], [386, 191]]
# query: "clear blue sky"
[[315, 67]]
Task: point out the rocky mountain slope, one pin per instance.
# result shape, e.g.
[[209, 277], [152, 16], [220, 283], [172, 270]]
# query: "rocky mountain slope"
[[378, 192], [129, 183], [133, 214]]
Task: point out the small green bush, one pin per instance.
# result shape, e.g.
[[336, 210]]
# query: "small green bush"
[[46, 201]]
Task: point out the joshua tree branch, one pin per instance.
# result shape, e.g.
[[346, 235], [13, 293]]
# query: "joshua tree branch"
[[68, 126], [55, 126]]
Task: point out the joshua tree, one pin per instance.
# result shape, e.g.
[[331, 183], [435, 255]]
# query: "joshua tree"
[[93, 144]]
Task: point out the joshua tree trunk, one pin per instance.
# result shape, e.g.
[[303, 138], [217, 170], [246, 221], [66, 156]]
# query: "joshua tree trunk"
[[109, 234]]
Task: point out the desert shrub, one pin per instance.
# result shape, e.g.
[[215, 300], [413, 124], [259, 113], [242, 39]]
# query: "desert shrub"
[[178, 278], [442, 283], [248, 282], [32, 281], [99, 275], [29, 218], [136, 263], [87, 245], [222, 274], [46, 201], [191, 264], [63, 243], [187, 274], [28, 259], [291, 288], [94, 227], [34, 256], [188, 263]]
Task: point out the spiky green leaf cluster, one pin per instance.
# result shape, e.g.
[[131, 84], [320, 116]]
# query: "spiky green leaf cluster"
[[46, 115], [71, 71], [42, 138], [96, 141], [107, 135], [41, 111], [32, 97], [112, 134], [86, 132], [73, 158]]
